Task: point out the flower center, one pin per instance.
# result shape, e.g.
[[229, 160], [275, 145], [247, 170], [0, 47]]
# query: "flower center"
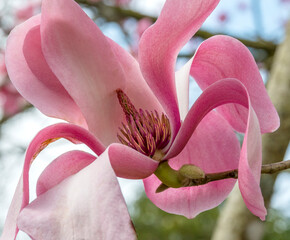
[[145, 131]]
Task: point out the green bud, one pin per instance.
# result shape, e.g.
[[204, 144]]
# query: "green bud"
[[191, 171]]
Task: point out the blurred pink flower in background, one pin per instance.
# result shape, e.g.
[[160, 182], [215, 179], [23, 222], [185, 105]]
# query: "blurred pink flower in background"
[[223, 17], [27, 11], [242, 6], [11, 102], [117, 2], [285, 1], [121, 2], [3, 70], [142, 25]]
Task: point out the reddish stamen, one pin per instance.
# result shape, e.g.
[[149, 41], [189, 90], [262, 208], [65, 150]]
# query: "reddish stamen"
[[145, 131]]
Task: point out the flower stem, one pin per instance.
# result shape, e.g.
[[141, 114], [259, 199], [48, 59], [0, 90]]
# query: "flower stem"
[[171, 178], [167, 175], [266, 169]]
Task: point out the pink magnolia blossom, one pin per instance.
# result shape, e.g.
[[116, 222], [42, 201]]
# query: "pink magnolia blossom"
[[117, 2], [223, 17], [142, 25], [27, 11], [122, 2], [3, 70], [11, 101], [242, 6], [62, 63]]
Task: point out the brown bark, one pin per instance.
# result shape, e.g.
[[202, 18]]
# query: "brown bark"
[[235, 221]]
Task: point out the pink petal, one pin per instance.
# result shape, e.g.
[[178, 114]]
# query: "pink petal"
[[250, 168], [225, 57], [61, 168], [136, 85], [87, 205], [160, 44], [213, 147], [82, 59], [90, 67], [128, 163], [32, 76], [43, 138], [10, 228], [223, 92]]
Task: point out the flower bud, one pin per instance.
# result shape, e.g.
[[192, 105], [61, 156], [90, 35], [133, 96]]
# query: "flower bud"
[[191, 171]]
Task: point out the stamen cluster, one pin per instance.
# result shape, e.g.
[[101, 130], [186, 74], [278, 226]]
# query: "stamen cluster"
[[144, 131]]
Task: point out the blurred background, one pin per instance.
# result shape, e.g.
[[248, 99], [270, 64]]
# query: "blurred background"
[[260, 24]]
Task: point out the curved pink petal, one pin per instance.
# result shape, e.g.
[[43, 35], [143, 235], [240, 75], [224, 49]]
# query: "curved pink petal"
[[30, 74], [81, 57], [213, 147], [128, 163], [90, 67], [160, 44], [250, 168], [43, 138], [225, 57], [10, 228], [87, 205], [223, 92], [61, 168]]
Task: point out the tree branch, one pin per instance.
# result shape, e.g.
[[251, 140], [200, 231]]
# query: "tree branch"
[[114, 13], [266, 169], [172, 178], [275, 167]]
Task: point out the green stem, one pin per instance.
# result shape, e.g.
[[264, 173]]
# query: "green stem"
[[167, 175], [193, 177]]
